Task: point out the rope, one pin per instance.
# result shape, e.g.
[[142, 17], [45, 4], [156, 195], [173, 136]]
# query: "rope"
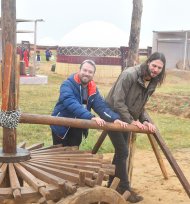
[[9, 119]]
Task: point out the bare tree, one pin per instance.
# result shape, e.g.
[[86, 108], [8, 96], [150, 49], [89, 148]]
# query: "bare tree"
[[134, 38], [132, 59]]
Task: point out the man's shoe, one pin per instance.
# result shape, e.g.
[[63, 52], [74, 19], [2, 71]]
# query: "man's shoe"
[[134, 197]]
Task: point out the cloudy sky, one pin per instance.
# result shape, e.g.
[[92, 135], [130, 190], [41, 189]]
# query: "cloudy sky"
[[99, 22]]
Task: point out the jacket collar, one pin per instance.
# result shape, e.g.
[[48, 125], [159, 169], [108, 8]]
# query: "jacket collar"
[[91, 85]]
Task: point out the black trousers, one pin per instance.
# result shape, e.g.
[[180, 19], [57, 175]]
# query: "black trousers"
[[120, 143], [73, 138]]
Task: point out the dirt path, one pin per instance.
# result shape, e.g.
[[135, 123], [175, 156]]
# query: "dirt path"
[[149, 182]]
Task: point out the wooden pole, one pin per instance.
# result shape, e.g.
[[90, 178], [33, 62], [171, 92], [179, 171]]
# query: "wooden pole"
[[171, 159], [173, 163], [77, 123], [8, 22], [158, 156], [99, 142], [131, 154]]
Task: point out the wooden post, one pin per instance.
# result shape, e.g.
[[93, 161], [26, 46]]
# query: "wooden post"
[[134, 38], [99, 142], [158, 155], [8, 22], [131, 153]]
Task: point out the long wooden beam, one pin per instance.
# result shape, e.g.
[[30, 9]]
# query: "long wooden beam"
[[77, 123], [171, 159], [173, 163]]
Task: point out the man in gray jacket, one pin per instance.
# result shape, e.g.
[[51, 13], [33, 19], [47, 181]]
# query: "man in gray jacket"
[[128, 97]]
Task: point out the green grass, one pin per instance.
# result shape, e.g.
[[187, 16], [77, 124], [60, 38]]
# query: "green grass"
[[40, 99]]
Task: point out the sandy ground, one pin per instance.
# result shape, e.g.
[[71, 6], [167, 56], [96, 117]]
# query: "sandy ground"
[[149, 182]]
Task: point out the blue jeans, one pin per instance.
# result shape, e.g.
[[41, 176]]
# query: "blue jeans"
[[120, 143]]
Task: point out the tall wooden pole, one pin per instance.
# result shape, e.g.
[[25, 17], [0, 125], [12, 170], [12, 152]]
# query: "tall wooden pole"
[[134, 33], [8, 22], [132, 59]]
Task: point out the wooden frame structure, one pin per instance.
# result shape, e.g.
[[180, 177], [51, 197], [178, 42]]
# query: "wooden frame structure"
[[51, 172]]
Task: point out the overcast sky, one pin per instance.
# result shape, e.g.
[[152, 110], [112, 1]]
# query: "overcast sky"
[[99, 22]]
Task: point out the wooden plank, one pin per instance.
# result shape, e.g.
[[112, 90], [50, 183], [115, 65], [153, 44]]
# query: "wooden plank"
[[3, 171], [100, 177], [49, 178], [38, 185], [89, 174], [58, 165], [77, 159], [29, 194], [35, 146], [72, 152], [109, 169], [21, 145], [82, 179], [14, 182], [48, 147], [115, 183], [63, 174]]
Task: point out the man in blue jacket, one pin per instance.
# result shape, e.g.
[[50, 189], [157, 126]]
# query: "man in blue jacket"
[[78, 95]]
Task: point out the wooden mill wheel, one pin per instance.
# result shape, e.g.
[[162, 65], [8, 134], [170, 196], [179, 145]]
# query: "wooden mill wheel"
[[98, 195], [55, 172]]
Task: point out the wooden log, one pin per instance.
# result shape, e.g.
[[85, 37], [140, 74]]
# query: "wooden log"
[[78, 123]]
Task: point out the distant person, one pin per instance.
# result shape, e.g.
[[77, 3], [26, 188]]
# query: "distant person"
[[38, 58], [47, 54], [128, 97], [78, 95], [26, 57]]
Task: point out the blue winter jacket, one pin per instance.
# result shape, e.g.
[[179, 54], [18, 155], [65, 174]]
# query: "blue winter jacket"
[[70, 104]]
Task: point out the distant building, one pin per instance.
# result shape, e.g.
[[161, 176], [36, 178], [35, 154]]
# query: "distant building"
[[176, 47]]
